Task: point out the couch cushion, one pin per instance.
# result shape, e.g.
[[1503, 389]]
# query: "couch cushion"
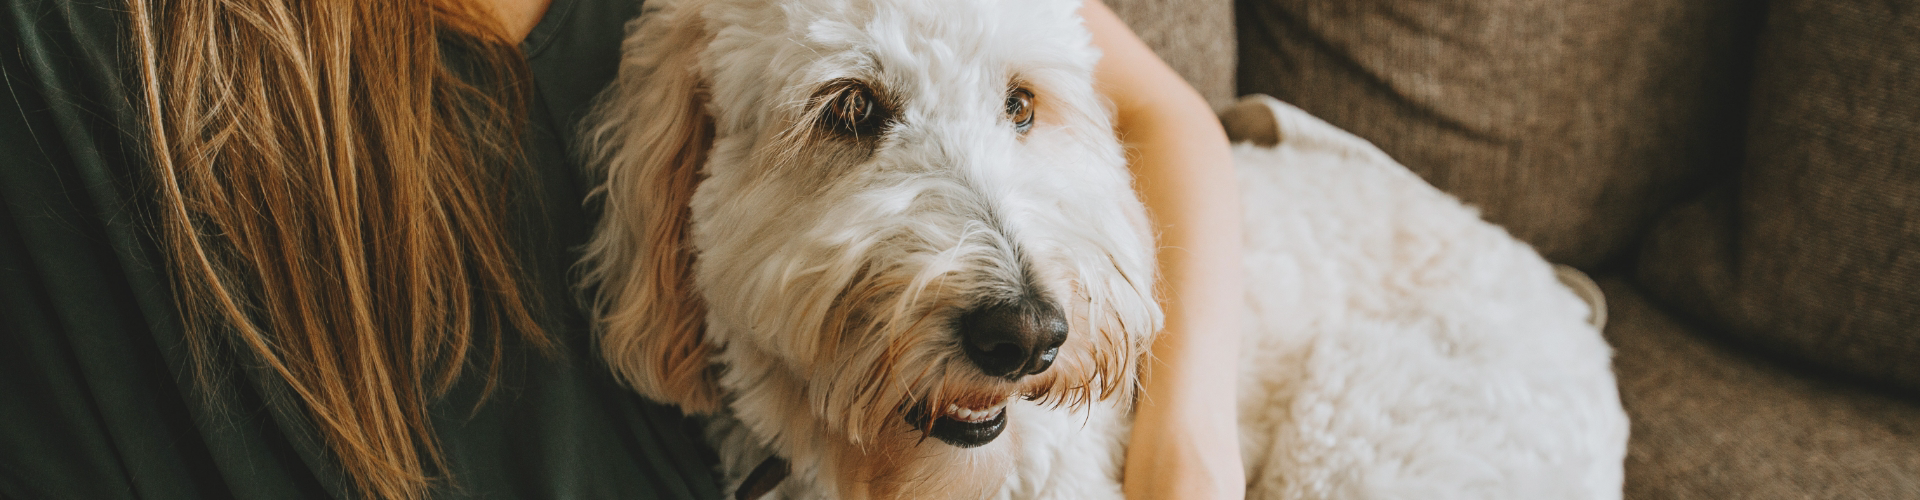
[[1711, 422], [1568, 122], [1193, 36], [1814, 251]]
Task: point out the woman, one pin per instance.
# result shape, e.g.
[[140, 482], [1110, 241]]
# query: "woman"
[[286, 249]]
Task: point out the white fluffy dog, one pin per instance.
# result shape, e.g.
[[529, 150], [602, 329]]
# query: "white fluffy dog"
[[890, 249]]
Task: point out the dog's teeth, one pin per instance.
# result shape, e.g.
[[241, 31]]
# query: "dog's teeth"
[[969, 415]]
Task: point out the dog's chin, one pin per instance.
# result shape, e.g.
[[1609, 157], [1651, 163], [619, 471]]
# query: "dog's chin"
[[960, 427]]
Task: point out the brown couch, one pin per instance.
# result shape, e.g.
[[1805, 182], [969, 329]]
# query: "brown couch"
[[1742, 177]]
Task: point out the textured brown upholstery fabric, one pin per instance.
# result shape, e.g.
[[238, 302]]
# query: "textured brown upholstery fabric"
[[1568, 122], [1714, 423], [1815, 251], [1193, 36]]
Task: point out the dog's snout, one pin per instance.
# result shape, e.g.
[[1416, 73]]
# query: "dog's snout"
[[1012, 340]]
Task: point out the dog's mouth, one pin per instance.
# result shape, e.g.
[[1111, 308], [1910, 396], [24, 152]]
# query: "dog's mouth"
[[961, 426]]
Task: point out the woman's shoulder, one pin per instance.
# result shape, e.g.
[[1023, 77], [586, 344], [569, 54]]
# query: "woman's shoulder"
[[575, 51]]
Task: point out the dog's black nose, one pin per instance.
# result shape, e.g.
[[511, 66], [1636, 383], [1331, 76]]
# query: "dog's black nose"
[[1012, 340]]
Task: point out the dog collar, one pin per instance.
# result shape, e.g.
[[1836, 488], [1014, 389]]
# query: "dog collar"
[[763, 479]]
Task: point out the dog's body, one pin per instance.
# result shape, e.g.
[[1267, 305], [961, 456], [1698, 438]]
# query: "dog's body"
[[893, 244]]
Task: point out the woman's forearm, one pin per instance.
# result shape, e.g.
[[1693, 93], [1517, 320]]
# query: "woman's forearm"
[[1185, 442]]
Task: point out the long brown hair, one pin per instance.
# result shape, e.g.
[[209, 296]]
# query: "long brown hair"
[[331, 204]]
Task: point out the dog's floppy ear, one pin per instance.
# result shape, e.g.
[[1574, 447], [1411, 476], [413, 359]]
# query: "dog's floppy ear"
[[647, 139]]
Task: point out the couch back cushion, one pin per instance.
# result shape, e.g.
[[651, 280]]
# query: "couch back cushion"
[[1195, 37], [1814, 250], [1568, 122]]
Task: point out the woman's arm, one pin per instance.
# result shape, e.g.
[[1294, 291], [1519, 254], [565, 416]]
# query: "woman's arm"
[[1186, 434]]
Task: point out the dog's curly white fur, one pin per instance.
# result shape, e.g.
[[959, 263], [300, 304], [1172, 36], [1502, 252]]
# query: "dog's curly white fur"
[[804, 200]]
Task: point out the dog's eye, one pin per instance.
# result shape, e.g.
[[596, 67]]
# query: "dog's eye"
[[1020, 109], [852, 109]]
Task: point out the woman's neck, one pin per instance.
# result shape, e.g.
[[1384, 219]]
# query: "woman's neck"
[[517, 16]]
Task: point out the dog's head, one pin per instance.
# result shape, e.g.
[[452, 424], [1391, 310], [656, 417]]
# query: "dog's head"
[[862, 223]]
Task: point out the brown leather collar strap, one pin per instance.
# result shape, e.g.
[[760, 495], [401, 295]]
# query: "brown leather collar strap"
[[763, 479]]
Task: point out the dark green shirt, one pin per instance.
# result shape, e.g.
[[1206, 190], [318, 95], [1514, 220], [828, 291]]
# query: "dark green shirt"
[[93, 399]]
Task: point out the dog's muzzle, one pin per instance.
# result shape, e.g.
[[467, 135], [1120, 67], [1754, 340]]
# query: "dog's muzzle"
[[1008, 340]]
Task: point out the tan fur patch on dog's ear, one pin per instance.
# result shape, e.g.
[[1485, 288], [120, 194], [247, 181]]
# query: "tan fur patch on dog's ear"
[[652, 137], [678, 356]]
